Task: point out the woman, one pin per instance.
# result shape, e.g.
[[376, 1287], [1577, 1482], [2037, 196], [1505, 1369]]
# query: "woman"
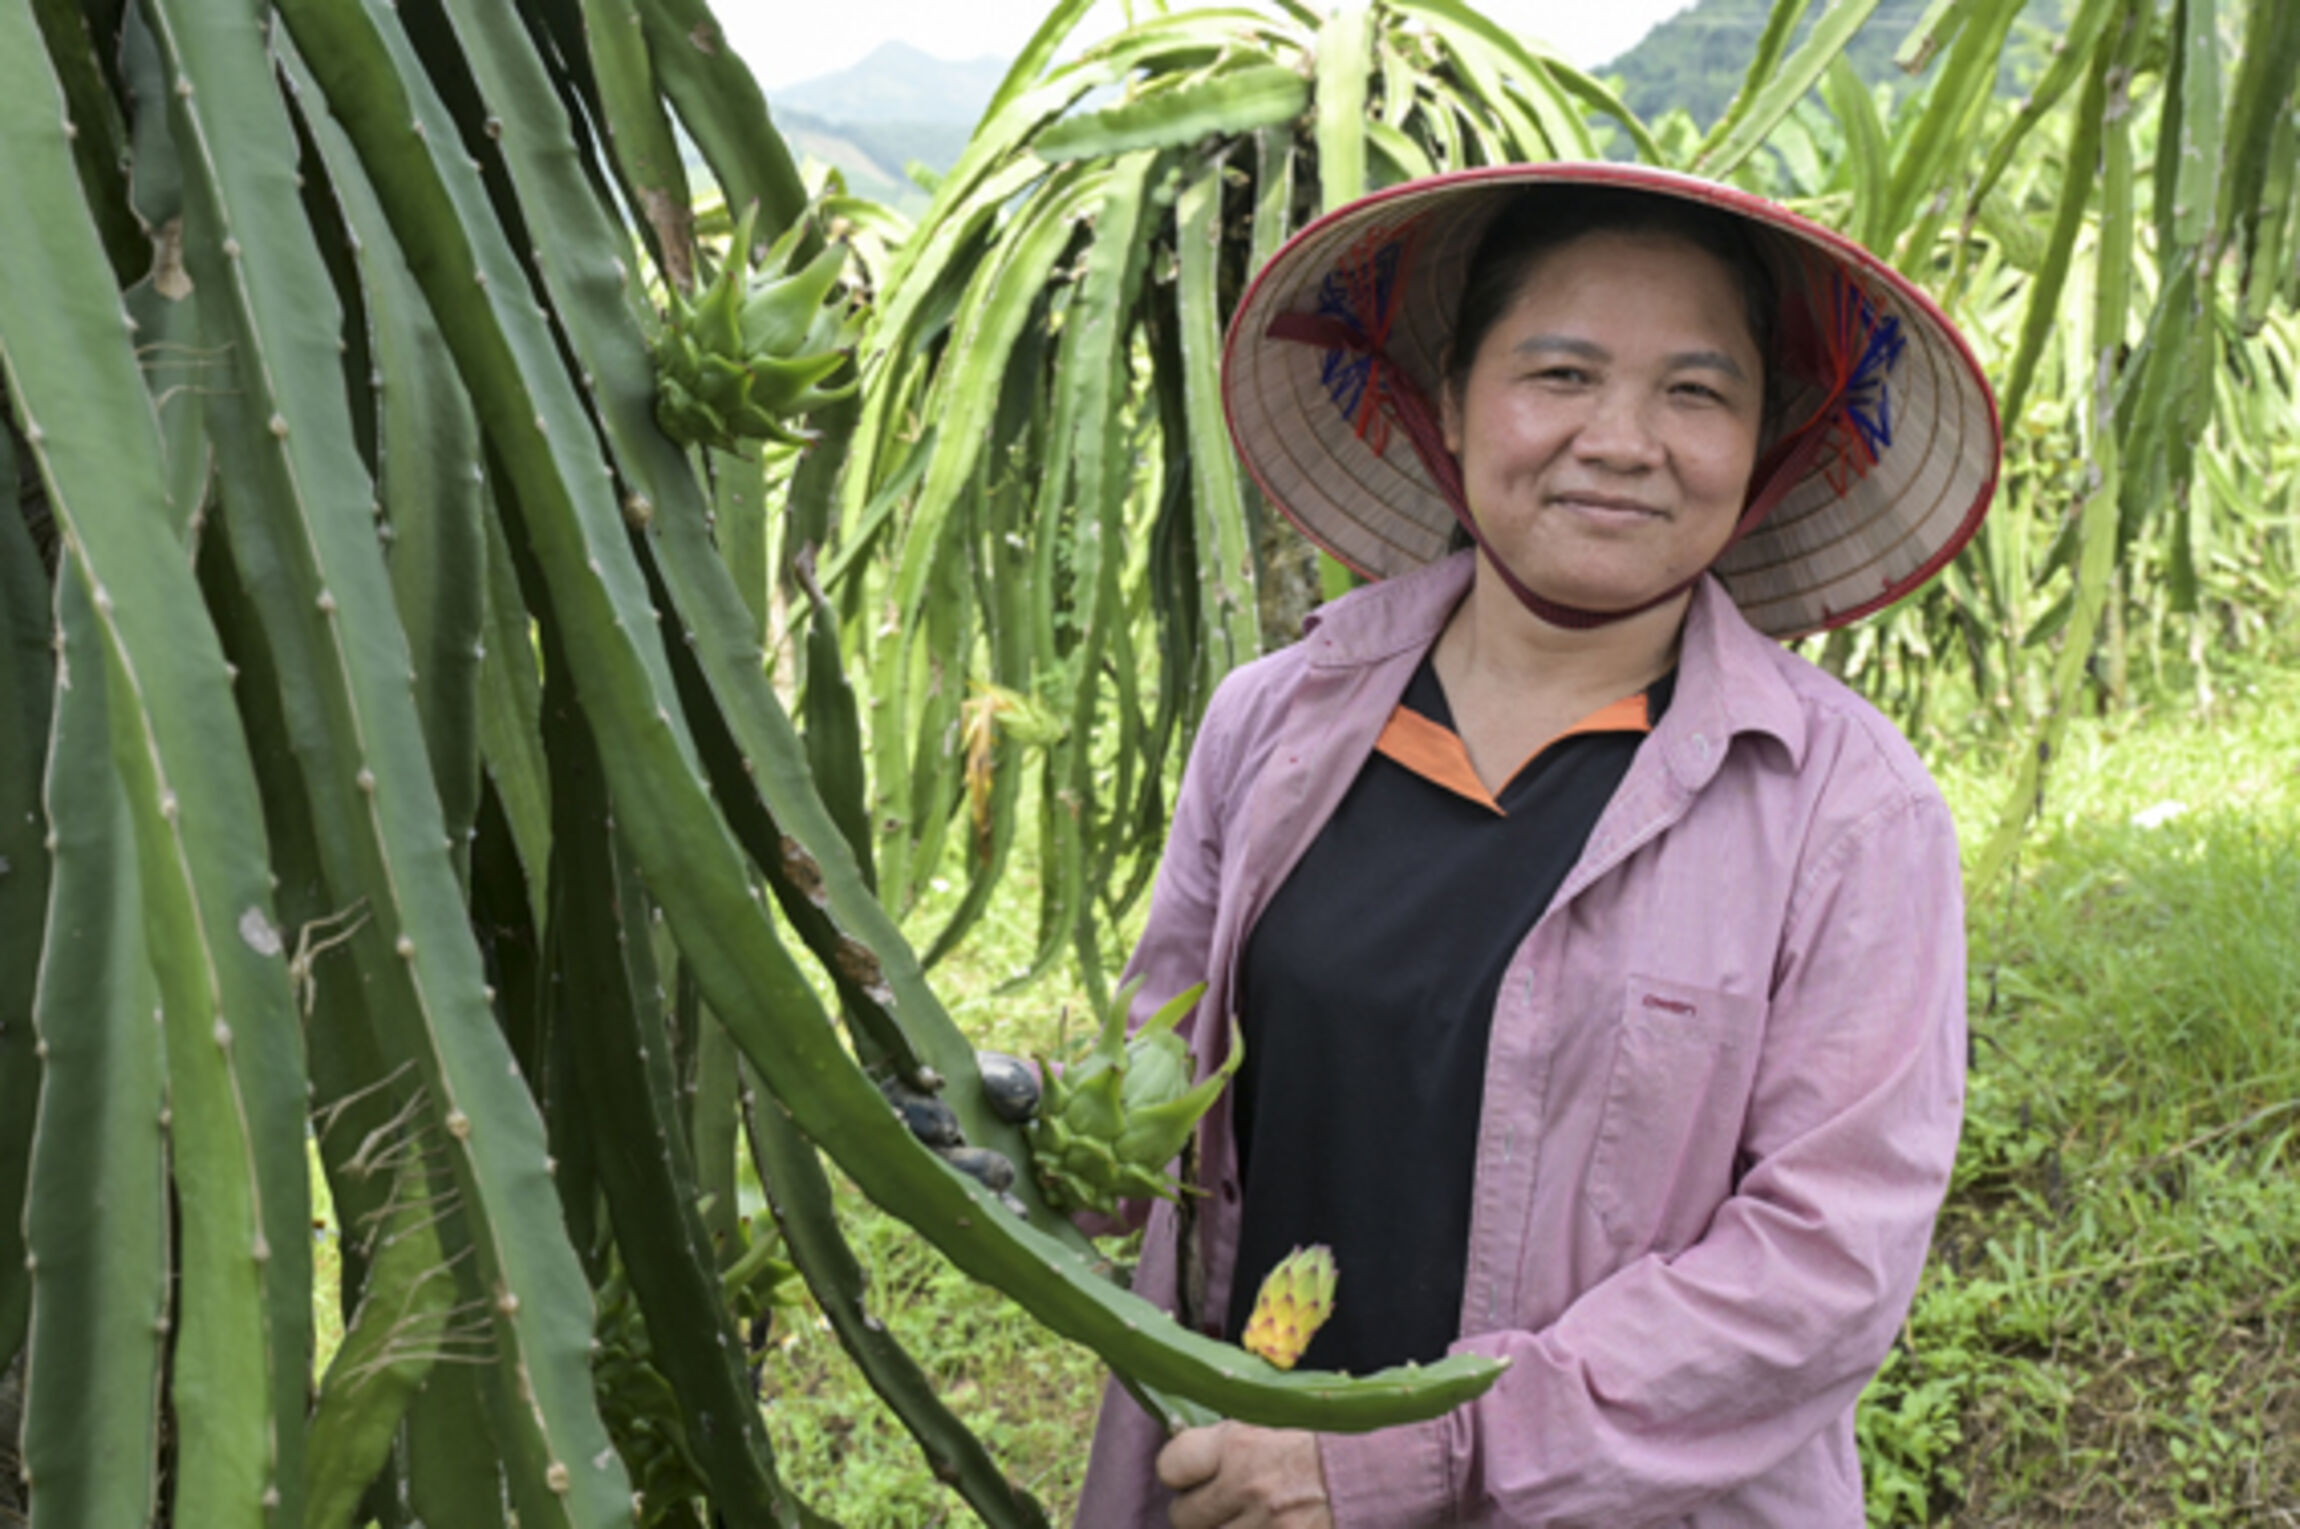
[[1599, 963]]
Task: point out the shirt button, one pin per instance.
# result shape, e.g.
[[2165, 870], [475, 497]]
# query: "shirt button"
[[1701, 747]]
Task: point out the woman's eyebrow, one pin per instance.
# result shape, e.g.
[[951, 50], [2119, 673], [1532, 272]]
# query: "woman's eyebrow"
[[1590, 350], [1708, 360], [1572, 345]]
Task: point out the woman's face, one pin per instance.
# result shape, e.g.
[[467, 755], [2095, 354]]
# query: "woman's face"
[[1610, 418]]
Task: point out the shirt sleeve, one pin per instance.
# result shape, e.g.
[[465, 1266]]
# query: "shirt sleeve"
[[1678, 1378], [1178, 933]]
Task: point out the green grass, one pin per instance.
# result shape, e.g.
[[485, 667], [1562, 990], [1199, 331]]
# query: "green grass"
[[2109, 1332], [1030, 1397]]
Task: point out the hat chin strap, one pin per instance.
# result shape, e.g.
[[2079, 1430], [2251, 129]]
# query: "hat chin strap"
[[1389, 389]]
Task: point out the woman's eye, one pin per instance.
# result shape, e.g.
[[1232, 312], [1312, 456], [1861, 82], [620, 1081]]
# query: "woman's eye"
[[1700, 392]]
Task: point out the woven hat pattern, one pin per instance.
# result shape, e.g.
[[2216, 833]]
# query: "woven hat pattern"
[[1904, 463]]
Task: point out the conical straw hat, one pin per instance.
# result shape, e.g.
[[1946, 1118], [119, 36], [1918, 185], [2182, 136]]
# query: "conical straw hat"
[[1890, 475]]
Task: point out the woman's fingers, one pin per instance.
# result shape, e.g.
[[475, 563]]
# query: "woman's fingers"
[[1232, 1476], [1191, 1457]]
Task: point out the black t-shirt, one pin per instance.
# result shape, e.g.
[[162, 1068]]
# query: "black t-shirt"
[[1365, 994]]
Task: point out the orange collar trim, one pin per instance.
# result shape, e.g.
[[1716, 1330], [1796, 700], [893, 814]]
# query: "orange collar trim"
[[1434, 751]]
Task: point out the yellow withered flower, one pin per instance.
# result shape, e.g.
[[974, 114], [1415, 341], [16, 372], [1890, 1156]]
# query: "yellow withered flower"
[[1294, 1303]]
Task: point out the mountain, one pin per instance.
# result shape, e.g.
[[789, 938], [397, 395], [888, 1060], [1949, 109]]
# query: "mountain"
[[869, 167], [897, 106], [1696, 58], [898, 83]]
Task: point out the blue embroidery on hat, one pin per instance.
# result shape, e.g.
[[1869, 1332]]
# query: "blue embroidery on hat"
[[1868, 397], [1862, 431]]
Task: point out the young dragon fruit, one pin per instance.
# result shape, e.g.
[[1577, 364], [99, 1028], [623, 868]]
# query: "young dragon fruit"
[[751, 349], [1295, 1299], [1110, 1123]]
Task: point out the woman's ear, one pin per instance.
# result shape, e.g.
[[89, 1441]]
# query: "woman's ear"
[[1449, 405]]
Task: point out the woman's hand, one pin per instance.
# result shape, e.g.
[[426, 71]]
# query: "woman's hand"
[[1233, 1474]]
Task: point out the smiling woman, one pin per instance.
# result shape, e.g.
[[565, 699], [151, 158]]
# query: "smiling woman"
[[1606, 426], [1599, 965]]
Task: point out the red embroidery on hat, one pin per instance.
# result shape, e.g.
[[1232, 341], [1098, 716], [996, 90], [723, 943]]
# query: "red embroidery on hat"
[[1364, 291]]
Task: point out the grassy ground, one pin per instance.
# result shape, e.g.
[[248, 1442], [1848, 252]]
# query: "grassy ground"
[[1030, 1397], [2110, 1330]]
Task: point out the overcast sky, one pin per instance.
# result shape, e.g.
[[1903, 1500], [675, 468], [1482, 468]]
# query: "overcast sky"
[[785, 43]]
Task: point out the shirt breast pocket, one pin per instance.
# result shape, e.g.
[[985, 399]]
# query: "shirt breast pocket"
[[1676, 1094]]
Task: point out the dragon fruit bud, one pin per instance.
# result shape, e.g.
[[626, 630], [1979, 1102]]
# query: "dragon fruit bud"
[[751, 349], [1110, 1124], [1294, 1302]]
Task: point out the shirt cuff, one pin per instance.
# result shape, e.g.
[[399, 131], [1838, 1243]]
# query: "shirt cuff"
[[1390, 1478]]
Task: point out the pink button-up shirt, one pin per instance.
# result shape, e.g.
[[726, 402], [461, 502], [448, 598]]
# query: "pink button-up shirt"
[[1722, 1089]]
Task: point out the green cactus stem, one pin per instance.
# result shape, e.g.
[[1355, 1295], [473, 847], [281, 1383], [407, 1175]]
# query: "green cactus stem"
[[404, 1326], [454, 1477], [510, 715], [598, 918], [234, 1054], [719, 104], [793, 841], [431, 491], [353, 1093], [300, 508], [638, 132], [98, 145], [27, 683], [98, 1219]]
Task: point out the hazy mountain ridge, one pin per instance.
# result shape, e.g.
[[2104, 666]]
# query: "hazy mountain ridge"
[[874, 119], [898, 83], [1697, 59], [901, 104]]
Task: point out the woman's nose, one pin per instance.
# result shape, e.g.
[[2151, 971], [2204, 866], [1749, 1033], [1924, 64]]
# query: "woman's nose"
[[1618, 432]]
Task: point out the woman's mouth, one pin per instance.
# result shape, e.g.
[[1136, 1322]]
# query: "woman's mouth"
[[1607, 508]]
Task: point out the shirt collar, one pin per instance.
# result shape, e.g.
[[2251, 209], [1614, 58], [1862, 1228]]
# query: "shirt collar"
[[1729, 675], [1730, 681], [1396, 615]]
